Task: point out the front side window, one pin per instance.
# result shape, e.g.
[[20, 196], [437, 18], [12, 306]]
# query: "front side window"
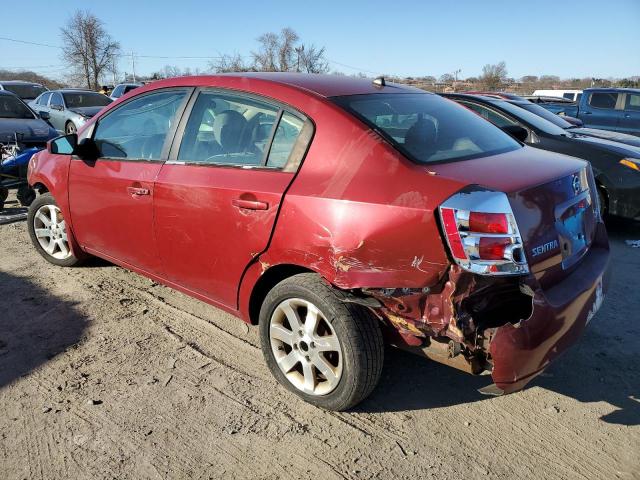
[[633, 102], [117, 92], [428, 128], [56, 99], [228, 129], [568, 96], [12, 107], [138, 129], [85, 99], [44, 99], [603, 100], [490, 115]]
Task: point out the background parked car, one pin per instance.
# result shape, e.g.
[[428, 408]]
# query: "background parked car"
[[123, 89], [69, 109], [21, 132], [616, 109], [573, 95], [615, 165], [27, 91]]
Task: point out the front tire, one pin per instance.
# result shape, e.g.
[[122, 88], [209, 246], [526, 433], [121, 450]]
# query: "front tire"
[[48, 231], [70, 128], [324, 350]]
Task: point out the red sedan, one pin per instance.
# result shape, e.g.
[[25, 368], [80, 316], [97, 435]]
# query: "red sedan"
[[337, 214]]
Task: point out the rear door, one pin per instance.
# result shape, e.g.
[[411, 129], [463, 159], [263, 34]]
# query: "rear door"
[[630, 122], [217, 200], [602, 111], [111, 198]]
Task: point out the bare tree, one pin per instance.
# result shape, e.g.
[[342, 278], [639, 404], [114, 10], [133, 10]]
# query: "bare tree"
[[310, 59], [88, 48], [230, 63], [447, 78], [493, 76]]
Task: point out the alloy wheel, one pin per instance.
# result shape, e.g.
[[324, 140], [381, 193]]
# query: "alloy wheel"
[[305, 346], [50, 231]]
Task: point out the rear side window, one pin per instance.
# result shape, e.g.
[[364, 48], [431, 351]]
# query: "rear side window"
[[603, 100], [228, 129], [138, 129], [117, 92], [428, 128], [286, 135], [633, 102]]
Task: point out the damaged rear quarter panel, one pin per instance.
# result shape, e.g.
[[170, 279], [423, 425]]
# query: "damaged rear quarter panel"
[[360, 214]]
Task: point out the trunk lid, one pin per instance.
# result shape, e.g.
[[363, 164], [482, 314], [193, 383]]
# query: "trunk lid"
[[553, 200]]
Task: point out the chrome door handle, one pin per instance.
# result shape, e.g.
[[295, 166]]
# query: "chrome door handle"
[[136, 191], [250, 204]]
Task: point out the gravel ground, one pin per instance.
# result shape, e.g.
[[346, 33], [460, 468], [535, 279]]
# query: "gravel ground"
[[105, 374]]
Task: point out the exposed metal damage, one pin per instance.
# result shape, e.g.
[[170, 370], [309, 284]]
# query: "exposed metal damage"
[[453, 321]]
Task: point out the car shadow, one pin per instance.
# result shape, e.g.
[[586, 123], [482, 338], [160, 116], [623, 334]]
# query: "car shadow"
[[603, 366], [35, 327]]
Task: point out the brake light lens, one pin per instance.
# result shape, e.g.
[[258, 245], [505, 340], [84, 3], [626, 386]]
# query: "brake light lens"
[[492, 248], [482, 233], [488, 222]]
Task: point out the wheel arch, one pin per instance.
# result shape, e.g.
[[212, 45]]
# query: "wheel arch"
[[269, 279]]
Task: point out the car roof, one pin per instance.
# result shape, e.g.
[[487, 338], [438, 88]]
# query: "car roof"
[[612, 89], [322, 85], [73, 90], [19, 82]]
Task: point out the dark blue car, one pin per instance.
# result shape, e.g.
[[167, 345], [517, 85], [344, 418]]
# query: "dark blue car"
[[22, 133]]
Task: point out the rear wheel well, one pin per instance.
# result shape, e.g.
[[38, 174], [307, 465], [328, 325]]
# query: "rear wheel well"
[[603, 195], [40, 188], [269, 279]]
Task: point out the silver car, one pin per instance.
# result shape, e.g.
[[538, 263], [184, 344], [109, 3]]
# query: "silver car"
[[68, 109]]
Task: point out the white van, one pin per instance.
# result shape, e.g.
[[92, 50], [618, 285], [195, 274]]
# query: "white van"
[[573, 95]]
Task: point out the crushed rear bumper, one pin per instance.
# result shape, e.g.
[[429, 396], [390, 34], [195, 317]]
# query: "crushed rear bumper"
[[519, 352]]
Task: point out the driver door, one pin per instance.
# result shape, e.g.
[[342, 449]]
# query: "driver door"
[[112, 197]]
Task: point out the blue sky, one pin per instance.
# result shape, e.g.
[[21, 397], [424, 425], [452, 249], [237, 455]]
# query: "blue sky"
[[566, 38]]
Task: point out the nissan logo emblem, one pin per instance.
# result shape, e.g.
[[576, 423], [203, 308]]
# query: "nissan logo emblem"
[[575, 183]]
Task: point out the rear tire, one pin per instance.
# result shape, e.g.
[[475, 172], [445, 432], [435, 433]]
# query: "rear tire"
[[4, 194], [70, 128], [48, 231], [338, 345]]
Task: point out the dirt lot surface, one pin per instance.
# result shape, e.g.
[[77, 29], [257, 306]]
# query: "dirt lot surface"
[[104, 374]]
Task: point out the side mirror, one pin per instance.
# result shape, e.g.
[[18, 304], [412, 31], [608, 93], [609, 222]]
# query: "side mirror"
[[516, 131], [44, 116], [65, 145], [86, 149]]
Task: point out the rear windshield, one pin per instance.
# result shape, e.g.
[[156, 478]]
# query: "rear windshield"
[[28, 92], [428, 128], [12, 107], [85, 99]]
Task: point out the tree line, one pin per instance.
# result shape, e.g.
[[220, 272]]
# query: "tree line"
[[92, 56]]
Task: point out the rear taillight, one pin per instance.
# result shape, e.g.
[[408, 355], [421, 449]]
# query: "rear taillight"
[[482, 233]]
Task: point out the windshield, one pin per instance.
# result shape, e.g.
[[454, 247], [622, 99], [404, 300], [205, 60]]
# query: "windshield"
[[85, 99], [28, 92], [12, 107], [531, 118], [546, 114], [428, 128]]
